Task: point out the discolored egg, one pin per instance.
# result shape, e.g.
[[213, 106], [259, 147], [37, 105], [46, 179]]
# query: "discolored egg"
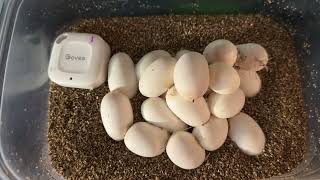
[[252, 57]]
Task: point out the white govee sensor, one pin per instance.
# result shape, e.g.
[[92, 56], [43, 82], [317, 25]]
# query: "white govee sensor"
[[79, 60]]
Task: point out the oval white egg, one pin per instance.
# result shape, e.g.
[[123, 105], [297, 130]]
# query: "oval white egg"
[[148, 59], [158, 77], [156, 111], [121, 74], [226, 105], [224, 79], [146, 140], [213, 134], [194, 113], [116, 113], [191, 75], [252, 57], [250, 82], [247, 134], [222, 51], [184, 150], [181, 53]]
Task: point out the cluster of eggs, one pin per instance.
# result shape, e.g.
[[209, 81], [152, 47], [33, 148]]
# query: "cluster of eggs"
[[194, 101]]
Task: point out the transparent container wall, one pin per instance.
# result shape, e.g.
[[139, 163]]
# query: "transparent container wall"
[[29, 27]]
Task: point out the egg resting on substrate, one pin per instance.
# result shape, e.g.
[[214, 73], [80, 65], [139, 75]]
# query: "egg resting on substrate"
[[146, 140], [116, 114], [247, 134], [252, 57], [212, 134], [250, 82], [184, 150], [222, 51], [121, 74]]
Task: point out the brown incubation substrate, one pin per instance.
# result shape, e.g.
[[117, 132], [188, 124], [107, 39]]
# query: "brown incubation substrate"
[[80, 148]]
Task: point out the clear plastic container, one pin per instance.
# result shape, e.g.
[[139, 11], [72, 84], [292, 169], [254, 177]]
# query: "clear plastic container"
[[27, 28]]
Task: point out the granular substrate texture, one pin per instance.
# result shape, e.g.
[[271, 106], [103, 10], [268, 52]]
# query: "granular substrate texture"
[[81, 149]]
